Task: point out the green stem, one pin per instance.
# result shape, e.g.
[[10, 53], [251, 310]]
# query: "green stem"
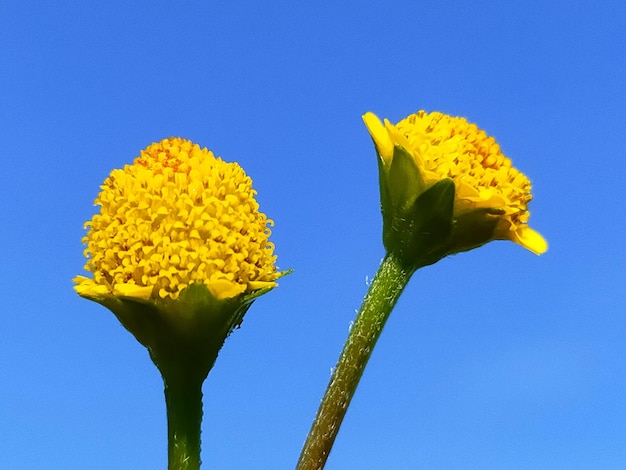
[[183, 399], [383, 294]]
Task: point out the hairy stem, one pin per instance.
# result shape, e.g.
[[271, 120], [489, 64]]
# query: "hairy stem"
[[382, 296]]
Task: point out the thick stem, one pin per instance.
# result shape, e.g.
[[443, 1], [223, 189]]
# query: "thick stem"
[[383, 294], [183, 399]]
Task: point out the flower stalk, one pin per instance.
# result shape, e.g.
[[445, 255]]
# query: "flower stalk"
[[384, 291], [183, 399]]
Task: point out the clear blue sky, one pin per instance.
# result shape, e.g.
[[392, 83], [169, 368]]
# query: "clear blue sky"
[[494, 359]]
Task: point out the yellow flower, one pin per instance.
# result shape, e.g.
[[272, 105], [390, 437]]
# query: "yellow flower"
[[176, 217], [178, 251], [446, 187]]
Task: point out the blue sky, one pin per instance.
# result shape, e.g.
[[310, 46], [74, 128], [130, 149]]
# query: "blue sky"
[[493, 359]]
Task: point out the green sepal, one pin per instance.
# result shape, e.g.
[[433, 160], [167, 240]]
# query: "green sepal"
[[183, 336], [434, 212], [400, 183], [386, 207], [475, 228], [404, 179], [420, 235]]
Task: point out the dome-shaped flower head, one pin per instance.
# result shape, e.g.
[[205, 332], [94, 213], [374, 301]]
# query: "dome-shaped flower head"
[[446, 187], [179, 248]]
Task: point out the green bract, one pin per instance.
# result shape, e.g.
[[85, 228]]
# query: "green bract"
[[183, 336], [417, 222]]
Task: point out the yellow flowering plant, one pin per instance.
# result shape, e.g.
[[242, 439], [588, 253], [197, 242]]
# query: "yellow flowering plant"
[[178, 252], [445, 188]]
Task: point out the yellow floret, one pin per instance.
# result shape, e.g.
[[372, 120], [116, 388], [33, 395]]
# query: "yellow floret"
[[177, 216]]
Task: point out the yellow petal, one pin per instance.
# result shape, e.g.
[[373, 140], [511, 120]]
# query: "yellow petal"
[[466, 191], [86, 287], [396, 136], [225, 289], [256, 285], [132, 290], [530, 239], [380, 136]]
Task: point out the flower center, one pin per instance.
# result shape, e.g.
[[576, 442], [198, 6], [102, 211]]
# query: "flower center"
[[178, 215], [450, 147]]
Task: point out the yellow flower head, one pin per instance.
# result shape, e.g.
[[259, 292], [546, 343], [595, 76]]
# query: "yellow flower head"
[[439, 158], [177, 216]]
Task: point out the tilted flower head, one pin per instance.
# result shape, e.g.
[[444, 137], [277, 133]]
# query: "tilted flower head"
[[179, 233], [446, 187]]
